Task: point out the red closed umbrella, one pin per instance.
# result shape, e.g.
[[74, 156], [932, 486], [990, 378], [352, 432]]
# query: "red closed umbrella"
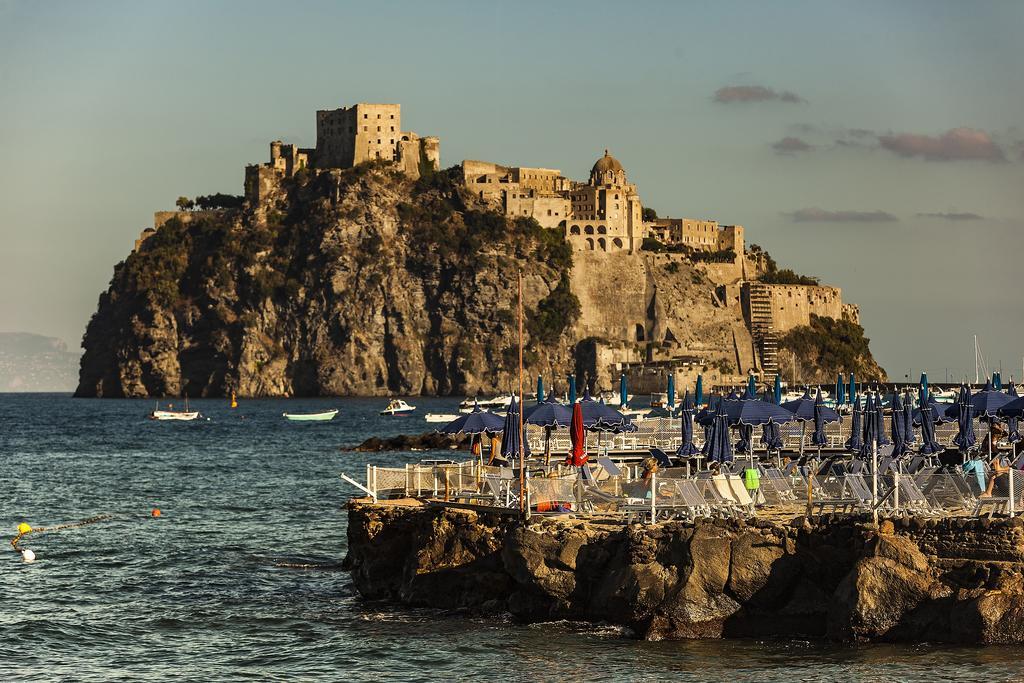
[[578, 454]]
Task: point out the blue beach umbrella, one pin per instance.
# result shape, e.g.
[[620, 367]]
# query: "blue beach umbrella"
[[818, 437], [599, 417], [897, 426], [879, 417], [803, 410], [771, 435], [778, 391], [548, 413], [572, 389], [856, 440], [746, 440], [965, 438], [476, 422], [985, 404], [623, 391], [840, 391], [705, 418], [908, 419], [997, 381], [718, 447], [540, 388], [510, 434], [924, 383], [870, 426], [852, 389], [1013, 433], [927, 414], [687, 447], [671, 402], [751, 388], [698, 394]]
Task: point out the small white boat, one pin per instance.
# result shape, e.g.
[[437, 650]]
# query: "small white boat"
[[496, 404], [325, 416], [397, 406], [440, 417], [172, 414]]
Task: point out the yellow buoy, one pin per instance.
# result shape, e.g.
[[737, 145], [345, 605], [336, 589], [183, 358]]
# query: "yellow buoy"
[[24, 528], [234, 403]]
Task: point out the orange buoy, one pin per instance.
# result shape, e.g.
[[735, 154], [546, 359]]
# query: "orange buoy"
[[156, 512]]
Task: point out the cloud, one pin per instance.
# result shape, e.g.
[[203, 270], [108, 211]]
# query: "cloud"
[[791, 146], [953, 216], [958, 144], [754, 93], [816, 215]]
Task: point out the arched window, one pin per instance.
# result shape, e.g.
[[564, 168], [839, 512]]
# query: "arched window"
[[589, 230], [574, 230], [602, 244], [639, 332], [590, 243], [617, 242], [602, 230]]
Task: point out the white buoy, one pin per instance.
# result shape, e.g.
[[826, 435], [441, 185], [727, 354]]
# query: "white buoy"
[[27, 555]]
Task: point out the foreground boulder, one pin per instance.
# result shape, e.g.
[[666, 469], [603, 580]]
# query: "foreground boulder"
[[846, 580]]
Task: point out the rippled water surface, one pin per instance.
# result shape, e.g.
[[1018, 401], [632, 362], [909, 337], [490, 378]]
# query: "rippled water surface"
[[239, 577]]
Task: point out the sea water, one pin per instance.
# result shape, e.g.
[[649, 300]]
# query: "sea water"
[[240, 578]]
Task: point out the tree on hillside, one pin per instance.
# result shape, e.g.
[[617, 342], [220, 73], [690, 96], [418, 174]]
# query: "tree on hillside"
[[185, 204], [649, 214]]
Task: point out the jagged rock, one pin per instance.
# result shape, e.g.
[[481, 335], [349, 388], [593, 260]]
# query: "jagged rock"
[[707, 580]]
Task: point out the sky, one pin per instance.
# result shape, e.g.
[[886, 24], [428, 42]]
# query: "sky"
[[877, 145]]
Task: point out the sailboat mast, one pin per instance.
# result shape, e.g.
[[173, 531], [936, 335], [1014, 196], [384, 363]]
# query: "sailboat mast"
[[977, 377]]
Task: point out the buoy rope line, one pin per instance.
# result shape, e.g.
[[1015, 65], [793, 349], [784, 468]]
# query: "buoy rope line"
[[24, 529]]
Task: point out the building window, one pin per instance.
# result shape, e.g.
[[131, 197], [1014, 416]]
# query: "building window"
[[392, 116], [378, 116], [366, 116], [378, 129]]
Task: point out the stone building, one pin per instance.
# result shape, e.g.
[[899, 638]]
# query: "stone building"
[[346, 137]]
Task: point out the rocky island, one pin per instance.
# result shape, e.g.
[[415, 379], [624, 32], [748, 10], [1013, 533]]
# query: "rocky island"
[[360, 267]]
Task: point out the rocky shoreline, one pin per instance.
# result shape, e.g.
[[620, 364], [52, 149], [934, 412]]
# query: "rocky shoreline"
[[841, 578]]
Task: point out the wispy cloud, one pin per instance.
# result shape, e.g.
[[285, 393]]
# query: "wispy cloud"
[[958, 144], [953, 216], [791, 146], [816, 215], [754, 93]]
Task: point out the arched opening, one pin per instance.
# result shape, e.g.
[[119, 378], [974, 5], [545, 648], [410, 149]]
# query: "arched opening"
[[602, 244], [589, 230], [602, 230], [590, 243], [639, 332], [617, 242], [574, 230]]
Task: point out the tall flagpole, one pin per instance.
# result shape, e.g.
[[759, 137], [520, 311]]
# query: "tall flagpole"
[[522, 450]]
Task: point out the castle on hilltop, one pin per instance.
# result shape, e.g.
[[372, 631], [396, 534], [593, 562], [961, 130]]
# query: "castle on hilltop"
[[604, 221], [347, 137]]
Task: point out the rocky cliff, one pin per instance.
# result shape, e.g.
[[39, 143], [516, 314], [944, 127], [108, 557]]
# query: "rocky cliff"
[[350, 282], [950, 580]]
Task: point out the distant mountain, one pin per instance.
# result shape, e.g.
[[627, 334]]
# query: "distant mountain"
[[32, 362]]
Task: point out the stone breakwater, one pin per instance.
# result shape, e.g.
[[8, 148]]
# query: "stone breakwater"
[[840, 578]]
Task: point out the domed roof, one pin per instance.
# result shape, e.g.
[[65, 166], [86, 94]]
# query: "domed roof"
[[606, 163]]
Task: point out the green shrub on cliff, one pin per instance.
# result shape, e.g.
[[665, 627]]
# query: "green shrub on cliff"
[[555, 313], [788, 277], [830, 346]]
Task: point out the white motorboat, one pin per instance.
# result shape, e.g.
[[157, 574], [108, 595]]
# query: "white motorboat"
[[397, 406], [172, 414], [324, 416], [498, 404], [440, 417]]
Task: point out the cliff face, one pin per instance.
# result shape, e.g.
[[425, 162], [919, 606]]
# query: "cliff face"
[[350, 282], [950, 580]]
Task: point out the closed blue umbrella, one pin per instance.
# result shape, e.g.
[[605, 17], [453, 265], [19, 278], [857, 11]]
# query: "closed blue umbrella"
[[540, 388], [965, 438], [818, 437], [771, 435], [1013, 433], [751, 388], [924, 383], [870, 426], [778, 391], [671, 392], [746, 440], [572, 389], [698, 394], [927, 413], [623, 391], [879, 417], [856, 440], [908, 419], [840, 391], [705, 418], [687, 447], [510, 434], [852, 389], [718, 447], [897, 426], [997, 381]]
